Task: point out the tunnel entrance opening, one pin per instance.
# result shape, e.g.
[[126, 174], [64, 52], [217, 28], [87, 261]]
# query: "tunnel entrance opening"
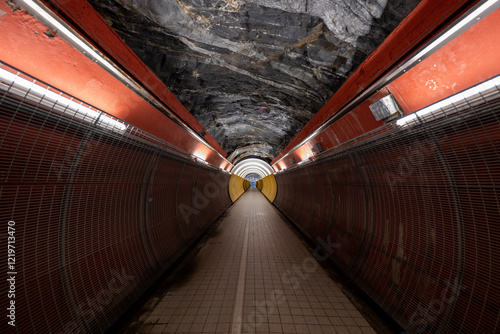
[[253, 177]]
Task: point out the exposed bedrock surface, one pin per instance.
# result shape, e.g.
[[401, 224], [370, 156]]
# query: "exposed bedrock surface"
[[253, 72]]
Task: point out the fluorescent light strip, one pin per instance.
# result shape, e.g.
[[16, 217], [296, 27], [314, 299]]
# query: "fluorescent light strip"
[[62, 30], [243, 167], [303, 161], [475, 15], [459, 98], [201, 160], [35, 93], [252, 169]]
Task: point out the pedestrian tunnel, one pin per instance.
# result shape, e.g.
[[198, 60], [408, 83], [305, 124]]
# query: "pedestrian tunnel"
[[266, 181], [107, 183]]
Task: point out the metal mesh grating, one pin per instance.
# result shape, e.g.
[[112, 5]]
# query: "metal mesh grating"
[[415, 212], [100, 207]]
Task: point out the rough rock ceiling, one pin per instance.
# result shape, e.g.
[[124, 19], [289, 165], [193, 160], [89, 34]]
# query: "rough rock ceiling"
[[253, 72]]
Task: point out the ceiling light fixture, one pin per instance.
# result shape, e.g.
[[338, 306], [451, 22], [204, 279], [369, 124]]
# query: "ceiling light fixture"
[[303, 161], [43, 95], [481, 90], [62, 30]]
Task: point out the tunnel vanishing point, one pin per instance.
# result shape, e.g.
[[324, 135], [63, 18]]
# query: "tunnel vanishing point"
[[292, 166]]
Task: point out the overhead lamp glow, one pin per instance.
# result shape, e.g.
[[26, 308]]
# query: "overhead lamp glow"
[[201, 160], [258, 166], [303, 161], [197, 157], [461, 98], [31, 91], [200, 155], [252, 169]]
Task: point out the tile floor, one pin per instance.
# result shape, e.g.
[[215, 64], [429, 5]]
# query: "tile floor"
[[280, 288]]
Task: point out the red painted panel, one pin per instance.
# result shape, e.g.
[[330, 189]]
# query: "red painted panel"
[[415, 30], [57, 63], [469, 59], [83, 18]]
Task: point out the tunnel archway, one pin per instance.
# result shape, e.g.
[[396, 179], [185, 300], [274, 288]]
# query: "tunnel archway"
[[256, 169], [252, 166]]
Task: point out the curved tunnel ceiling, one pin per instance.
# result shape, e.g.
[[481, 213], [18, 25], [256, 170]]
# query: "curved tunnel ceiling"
[[252, 166], [253, 72]]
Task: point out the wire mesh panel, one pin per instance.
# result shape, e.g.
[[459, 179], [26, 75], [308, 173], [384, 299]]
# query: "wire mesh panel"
[[322, 207], [416, 215], [187, 203], [95, 207]]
